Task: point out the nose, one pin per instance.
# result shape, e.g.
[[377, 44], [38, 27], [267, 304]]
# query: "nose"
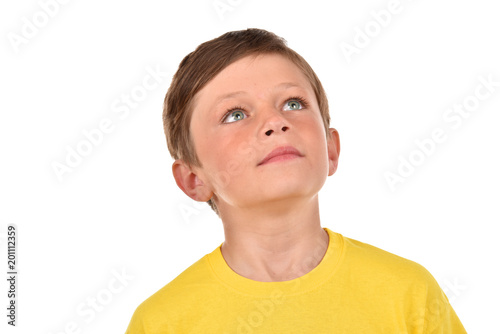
[[274, 122]]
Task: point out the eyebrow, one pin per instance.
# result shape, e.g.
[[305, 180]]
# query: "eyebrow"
[[281, 86]]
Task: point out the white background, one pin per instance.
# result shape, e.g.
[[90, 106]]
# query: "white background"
[[120, 210]]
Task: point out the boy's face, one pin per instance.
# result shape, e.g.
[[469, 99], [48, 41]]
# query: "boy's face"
[[266, 113]]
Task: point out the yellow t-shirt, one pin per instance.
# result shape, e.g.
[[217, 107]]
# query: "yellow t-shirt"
[[356, 288]]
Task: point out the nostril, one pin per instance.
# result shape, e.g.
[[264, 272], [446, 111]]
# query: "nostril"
[[268, 132]]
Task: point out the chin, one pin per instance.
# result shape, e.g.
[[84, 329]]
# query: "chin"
[[274, 192]]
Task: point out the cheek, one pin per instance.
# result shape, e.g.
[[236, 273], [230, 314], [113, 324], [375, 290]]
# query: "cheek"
[[314, 126], [317, 138], [233, 163], [219, 162]]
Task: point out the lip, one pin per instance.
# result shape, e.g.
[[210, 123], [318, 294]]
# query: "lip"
[[281, 151]]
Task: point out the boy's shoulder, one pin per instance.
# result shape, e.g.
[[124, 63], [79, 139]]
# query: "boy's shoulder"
[[366, 260], [373, 274], [176, 288], [181, 292]]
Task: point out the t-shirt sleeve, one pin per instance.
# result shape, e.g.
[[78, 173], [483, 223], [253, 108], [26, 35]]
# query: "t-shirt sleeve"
[[439, 316]]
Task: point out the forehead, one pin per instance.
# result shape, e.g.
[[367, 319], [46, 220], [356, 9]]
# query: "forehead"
[[254, 74]]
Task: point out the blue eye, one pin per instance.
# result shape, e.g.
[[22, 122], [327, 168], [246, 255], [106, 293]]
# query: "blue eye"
[[293, 105], [236, 112]]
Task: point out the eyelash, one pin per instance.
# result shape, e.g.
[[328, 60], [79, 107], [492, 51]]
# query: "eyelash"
[[301, 100]]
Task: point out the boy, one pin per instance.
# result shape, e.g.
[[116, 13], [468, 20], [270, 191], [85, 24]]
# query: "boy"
[[247, 122]]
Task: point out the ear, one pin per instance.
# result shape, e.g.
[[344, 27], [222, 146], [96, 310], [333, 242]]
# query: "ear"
[[333, 144], [189, 182]]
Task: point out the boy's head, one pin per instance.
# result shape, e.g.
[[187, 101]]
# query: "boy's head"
[[215, 144]]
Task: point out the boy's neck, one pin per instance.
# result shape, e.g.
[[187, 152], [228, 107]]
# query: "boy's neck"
[[272, 248]]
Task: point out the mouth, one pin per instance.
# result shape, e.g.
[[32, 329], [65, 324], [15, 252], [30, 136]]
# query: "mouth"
[[281, 153]]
